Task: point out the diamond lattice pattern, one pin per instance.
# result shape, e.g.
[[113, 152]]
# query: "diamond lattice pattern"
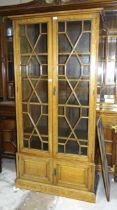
[[74, 40], [34, 72]]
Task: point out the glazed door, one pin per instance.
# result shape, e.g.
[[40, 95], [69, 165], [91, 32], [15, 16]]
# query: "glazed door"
[[34, 86], [75, 86]]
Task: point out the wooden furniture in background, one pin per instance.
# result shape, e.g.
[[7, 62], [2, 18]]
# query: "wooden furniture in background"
[[109, 119], [7, 104], [0, 153], [115, 152], [55, 63], [107, 82], [3, 63], [107, 68], [8, 129], [10, 59]]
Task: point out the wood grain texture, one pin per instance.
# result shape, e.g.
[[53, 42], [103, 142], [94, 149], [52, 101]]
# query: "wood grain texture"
[[56, 190], [41, 6], [71, 175]]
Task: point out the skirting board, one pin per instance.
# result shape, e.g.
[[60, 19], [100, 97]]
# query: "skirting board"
[[56, 190]]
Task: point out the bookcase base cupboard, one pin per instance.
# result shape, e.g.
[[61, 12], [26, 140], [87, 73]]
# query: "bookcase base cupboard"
[[55, 57]]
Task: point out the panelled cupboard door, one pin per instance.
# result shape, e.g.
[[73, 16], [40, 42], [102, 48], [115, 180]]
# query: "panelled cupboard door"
[[34, 85], [75, 53], [74, 175], [33, 168]]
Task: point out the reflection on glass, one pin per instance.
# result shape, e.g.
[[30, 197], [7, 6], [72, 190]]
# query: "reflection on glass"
[[101, 72], [110, 72], [107, 61], [85, 71], [112, 47], [85, 59]]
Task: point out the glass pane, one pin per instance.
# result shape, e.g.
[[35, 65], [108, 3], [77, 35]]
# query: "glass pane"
[[43, 28], [43, 59], [64, 129], [25, 45], [42, 91], [82, 129], [64, 92], [26, 90], [87, 25], [35, 142], [74, 29], [72, 147], [84, 43], [32, 33], [43, 125], [35, 112], [85, 71], [27, 123], [63, 59], [82, 92], [73, 115], [41, 46], [64, 44], [61, 27], [73, 67], [33, 67], [34, 73], [85, 59]]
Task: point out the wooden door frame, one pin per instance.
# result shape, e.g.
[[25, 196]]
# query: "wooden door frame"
[[18, 85], [79, 15]]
